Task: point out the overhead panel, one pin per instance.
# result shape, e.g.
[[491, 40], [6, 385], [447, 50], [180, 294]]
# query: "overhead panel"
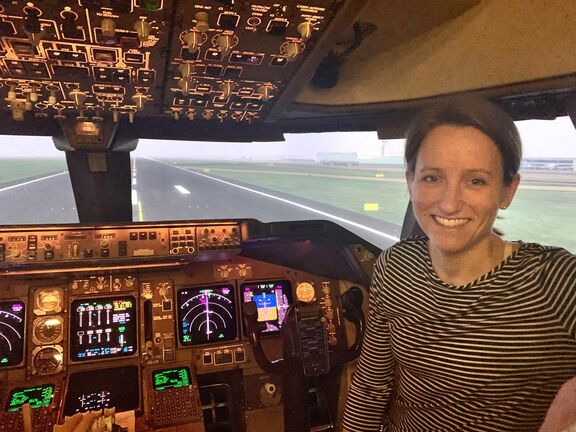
[[200, 60]]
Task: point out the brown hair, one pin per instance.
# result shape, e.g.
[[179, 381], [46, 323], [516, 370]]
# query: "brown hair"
[[468, 111]]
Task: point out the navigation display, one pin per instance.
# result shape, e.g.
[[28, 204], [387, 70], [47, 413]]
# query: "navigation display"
[[272, 301], [12, 323], [206, 315], [103, 328], [165, 379], [103, 388], [38, 397]]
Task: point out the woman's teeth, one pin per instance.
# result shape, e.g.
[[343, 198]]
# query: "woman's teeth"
[[450, 222]]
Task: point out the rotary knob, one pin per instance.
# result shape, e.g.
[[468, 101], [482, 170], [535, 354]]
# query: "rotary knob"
[[143, 29], [305, 30], [108, 27], [140, 100], [265, 92], [226, 87], [225, 43], [187, 69], [192, 41], [78, 97]]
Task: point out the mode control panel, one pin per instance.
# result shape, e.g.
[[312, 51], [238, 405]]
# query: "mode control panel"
[[77, 244]]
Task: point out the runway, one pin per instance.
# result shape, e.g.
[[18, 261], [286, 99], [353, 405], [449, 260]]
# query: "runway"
[[165, 192]]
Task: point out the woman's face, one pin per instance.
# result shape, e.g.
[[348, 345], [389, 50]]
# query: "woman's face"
[[457, 188]]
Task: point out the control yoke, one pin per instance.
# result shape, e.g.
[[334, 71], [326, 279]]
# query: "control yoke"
[[305, 351]]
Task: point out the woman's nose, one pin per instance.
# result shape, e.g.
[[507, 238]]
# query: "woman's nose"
[[450, 200]]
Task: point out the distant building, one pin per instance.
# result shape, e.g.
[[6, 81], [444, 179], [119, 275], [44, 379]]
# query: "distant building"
[[337, 158], [551, 164]]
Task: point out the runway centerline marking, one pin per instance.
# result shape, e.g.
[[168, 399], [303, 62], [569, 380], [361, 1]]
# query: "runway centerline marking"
[[287, 201], [182, 189], [32, 181]]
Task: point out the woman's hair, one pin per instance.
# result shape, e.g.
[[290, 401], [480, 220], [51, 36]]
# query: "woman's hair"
[[468, 111]]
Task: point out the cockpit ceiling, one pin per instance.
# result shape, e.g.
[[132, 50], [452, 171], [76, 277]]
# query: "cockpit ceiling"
[[242, 70], [423, 49]]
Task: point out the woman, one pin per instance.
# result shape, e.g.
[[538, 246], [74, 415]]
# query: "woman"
[[466, 332]]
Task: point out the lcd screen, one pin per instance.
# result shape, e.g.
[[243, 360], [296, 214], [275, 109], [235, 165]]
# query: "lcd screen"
[[38, 397], [206, 315], [103, 388], [165, 379], [103, 328], [12, 323], [272, 301]]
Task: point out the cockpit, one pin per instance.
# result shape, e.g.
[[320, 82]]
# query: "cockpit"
[[198, 256]]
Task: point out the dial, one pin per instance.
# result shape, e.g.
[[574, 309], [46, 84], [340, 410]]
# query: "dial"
[[47, 360], [48, 301], [206, 315], [47, 330], [305, 292]]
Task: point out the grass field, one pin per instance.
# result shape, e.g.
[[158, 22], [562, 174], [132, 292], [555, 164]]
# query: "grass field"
[[543, 216], [19, 169]]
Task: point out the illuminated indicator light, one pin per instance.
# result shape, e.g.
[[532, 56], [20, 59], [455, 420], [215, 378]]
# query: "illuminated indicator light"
[[371, 207]]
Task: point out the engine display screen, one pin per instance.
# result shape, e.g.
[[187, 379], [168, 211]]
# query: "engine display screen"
[[12, 323], [165, 379], [272, 301], [38, 397], [103, 388], [206, 315], [103, 328]]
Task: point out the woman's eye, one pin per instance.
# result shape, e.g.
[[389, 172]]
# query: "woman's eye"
[[430, 179], [478, 182]]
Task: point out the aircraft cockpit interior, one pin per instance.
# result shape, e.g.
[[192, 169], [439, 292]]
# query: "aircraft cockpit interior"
[[214, 320]]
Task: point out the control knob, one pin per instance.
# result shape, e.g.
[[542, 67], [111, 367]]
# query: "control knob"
[[192, 40], [305, 30], [202, 22], [225, 43], [143, 29], [140, 100], [108, 27]]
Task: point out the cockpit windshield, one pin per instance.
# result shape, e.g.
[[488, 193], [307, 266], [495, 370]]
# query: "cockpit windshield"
[[353, 179]]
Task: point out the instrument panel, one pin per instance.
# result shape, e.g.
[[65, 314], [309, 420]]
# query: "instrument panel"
[[82, 333]]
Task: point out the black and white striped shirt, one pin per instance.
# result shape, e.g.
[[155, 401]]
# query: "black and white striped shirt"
[[487, 356]]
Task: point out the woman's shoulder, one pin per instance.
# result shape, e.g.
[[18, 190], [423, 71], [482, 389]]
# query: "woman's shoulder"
[[412, 247], [546, 257]]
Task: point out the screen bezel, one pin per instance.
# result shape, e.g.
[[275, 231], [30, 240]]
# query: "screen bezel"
[[72, 324], [287, 290], [4, 366], [198, 288]]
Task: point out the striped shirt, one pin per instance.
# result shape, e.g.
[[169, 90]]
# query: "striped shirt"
[[487, 356]]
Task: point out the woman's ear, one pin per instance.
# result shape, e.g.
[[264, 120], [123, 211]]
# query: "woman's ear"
[[409, 176], [509, 192]]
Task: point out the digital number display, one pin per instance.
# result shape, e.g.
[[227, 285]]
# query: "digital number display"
[[103, 388], [272, 301], [38, 397], [103, 328], [206, 315], [12, 323], [171, 378]]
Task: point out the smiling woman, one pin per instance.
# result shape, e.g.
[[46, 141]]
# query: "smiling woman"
[[461, 334]]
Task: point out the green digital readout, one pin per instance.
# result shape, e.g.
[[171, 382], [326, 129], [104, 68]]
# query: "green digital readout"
[[38, 397], [171, 378]]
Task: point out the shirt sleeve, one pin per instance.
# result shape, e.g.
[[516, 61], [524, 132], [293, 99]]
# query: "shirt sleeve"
[[369, 392]]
